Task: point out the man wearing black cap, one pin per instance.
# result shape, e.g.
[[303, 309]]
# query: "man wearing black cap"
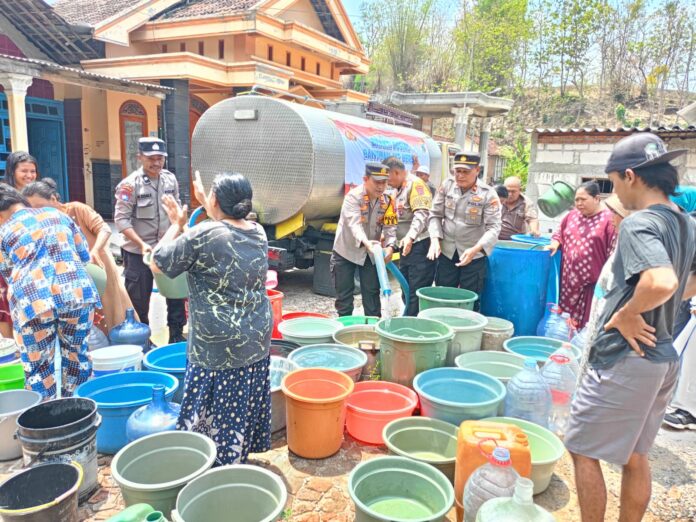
[[464, 225], [633, 366], [367, 216], [142, 219]]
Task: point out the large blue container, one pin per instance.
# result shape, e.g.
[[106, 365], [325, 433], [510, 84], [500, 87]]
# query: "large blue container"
[[117, 396], [171, 359], [516, 284], [454, 394]]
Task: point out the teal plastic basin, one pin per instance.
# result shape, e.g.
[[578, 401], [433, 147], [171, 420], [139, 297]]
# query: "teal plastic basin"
[[446, 297], [309, 330], [538, 348]]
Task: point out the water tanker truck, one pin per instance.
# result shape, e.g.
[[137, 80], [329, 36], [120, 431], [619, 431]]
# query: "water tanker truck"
[[300, 161]]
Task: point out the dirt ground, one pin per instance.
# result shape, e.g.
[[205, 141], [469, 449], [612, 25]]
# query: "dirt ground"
[[318, 489]]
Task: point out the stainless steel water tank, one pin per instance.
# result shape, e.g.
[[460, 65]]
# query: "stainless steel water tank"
[[293, 154]]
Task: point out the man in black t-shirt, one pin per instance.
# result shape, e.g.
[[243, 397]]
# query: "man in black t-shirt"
[[633, 366]]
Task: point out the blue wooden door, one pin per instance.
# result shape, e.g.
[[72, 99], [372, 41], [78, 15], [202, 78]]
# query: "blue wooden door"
[[46, 145]]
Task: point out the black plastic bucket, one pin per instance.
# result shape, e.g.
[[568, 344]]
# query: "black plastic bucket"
[[62, 430], [283, 348], [41, 494]]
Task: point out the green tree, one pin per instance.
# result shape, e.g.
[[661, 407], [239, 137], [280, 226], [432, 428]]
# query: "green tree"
[[517, 160]]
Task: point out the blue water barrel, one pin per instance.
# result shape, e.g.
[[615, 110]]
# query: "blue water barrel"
[[552, 289], [516, 284]]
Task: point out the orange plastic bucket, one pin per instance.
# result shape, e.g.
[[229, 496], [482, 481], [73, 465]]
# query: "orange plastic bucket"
[[470, 455], [373, 405], [276, 299], [315, 411]]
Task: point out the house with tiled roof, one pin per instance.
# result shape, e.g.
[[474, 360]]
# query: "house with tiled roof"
[[209, 50]]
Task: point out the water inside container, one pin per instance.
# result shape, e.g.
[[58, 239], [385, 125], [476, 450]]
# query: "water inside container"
[[400, 508], [417, 334], [324, 357], [464, 391]]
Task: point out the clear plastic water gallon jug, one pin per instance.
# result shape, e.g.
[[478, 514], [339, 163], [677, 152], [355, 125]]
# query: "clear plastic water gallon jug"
[[492, 480], [568, 350], [159, 415], [131, 331], [561, 380], [552, 314], [96, 339], [518, 508], [528, 395], [581, 340], [560, 328]]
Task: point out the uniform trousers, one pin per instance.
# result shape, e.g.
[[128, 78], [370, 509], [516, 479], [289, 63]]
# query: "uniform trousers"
[[469, 277], [343, 272], [419, 272], [139, 281]]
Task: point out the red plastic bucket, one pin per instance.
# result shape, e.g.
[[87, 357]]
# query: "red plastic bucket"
[[295, 315], [276, 299]]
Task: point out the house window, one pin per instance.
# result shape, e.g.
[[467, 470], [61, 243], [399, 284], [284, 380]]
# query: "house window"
[[606, 187], [318, 69], [221, 49], [133, 126], [288, 59], [201, 48], [182, 47], [303, 63], [270, 53], [164, 48]]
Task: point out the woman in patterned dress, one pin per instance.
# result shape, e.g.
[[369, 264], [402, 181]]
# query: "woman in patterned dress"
[[227, 383], [586, 237], [115, 300], [52, 298]]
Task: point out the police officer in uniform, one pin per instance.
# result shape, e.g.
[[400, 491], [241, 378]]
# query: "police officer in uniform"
[[142, 219], [412, 200], [367, 214], [464, 225]]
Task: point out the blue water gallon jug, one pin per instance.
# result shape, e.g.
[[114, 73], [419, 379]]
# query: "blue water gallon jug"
[[131, 331], [528, 395], [160, 415]]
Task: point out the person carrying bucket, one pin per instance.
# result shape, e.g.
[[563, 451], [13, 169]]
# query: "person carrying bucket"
[[412, 199], [464, 226], [52, 298]]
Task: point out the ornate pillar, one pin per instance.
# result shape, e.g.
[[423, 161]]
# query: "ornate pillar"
[[483, 145], [461, 120], [16, 86]]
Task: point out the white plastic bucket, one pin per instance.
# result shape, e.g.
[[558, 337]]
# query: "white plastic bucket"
[[114, 359]]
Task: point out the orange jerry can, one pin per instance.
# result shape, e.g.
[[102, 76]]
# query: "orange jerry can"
[[477, 436]]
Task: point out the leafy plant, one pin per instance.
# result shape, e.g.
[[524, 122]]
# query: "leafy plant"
[[517, 163]]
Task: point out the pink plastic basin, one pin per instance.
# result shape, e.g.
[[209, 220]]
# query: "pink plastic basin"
[[373, 405]]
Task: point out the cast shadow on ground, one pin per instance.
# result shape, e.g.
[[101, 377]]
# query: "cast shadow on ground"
[[667, 469], [555, 497]]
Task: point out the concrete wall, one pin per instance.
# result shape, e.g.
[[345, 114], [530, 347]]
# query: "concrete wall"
[[571, 158]]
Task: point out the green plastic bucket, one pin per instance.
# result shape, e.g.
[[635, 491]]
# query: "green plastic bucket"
[[546, 449], [11, 377], [238, 492], [397, 489], [559, 198], [467, 326], [364, 337], [309, 330], [152, 470], [98, 276], [446, 297], [411, 345], [351, 320], [176, 288], [425, 440]]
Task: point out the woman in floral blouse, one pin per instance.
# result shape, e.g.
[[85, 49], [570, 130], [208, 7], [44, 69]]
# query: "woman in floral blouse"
[[227, 382]]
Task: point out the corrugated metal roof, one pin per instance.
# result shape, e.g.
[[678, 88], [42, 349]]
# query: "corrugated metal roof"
[[604, 130], [51, 66]]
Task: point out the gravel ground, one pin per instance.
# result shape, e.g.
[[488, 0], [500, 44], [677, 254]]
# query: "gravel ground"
[[318, 489]]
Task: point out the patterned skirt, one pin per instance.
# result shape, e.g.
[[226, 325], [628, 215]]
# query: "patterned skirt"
[[232, 407]]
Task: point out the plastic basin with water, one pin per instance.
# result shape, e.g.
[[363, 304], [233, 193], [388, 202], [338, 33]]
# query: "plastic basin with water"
[[454, 395], [11, 377], [171, 359], [538, 348], [309, 330], [117, 396], [410, 345], [373, 404], [240, 492], [446, 297], [280, 367], [546, 449], [467, 326], [153, 469], [399, 489], [338, 357], [501, 365], [424, 439]]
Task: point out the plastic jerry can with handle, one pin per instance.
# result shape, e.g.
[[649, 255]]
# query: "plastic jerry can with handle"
[[473, 437]]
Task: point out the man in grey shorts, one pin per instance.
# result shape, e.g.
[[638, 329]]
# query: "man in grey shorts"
[[633, 367]]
